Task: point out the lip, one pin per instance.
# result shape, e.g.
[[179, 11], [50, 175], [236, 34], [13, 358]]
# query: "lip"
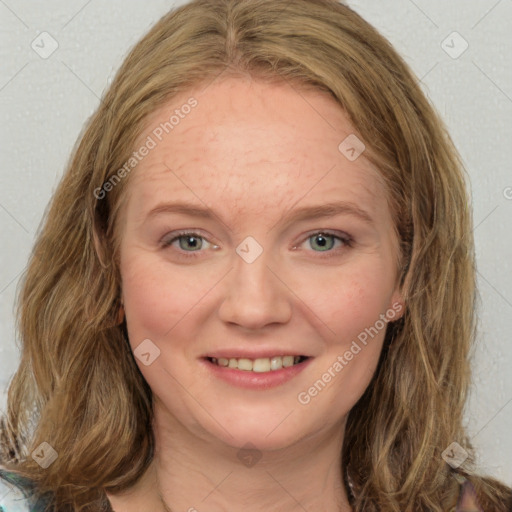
[[252, 354], [254, 380]]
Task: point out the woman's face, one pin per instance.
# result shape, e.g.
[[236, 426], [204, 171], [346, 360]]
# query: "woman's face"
[[253, 168]]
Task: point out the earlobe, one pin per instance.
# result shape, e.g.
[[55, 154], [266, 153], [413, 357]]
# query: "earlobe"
[[398, 305], [120, 315]]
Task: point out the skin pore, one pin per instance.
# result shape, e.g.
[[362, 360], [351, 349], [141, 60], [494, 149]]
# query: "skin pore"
[[252, 154]]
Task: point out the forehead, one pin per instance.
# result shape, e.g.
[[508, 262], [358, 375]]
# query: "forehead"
[[254, 144]]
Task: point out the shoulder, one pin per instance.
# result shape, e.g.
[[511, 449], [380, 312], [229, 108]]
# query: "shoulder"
[[16, 494], [467, 501], [478, 494]]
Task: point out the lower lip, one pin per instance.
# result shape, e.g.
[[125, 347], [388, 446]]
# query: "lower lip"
[[255, 380]]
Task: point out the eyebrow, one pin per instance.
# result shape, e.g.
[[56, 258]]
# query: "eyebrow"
[[297, 214]]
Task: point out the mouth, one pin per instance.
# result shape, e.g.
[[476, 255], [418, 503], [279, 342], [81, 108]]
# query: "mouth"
[[259, 365], [262, 371]]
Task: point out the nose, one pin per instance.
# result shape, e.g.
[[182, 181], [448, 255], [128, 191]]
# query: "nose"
[[256, 295]]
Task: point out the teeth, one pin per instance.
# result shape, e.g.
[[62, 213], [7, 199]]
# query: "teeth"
[[260, 365], [288, 361], [244, 364], [276, 363]]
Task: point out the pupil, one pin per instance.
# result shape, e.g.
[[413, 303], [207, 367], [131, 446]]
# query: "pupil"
[[321, 241], [191, 241]]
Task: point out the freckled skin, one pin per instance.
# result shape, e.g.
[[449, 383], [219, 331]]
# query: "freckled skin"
[[251, 152]]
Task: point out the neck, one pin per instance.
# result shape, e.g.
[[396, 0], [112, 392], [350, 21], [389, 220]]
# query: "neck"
[[195, 474]]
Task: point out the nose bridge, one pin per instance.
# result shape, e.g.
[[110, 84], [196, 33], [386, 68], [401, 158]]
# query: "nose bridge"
[[252, 270], [255, 296]]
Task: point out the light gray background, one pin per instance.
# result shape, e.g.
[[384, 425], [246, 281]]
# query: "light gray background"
[[44, 103]]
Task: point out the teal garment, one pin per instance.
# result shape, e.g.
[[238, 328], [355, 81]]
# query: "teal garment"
[[16, 494]]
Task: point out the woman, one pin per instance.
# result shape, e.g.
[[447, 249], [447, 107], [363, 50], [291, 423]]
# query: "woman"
[[256, 372]]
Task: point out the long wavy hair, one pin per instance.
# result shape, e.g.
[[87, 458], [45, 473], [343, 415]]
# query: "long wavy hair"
[[78, 387]]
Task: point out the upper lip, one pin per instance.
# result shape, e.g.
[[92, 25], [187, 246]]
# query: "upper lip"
[[252, 354]]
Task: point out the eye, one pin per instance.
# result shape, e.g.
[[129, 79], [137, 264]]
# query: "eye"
[[188, 242], [325, 241]]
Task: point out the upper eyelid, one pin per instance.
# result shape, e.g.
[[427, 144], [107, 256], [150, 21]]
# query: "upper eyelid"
[[174, 235]]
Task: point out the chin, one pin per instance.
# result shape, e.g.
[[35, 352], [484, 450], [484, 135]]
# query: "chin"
[[266, 431], [258, 439]]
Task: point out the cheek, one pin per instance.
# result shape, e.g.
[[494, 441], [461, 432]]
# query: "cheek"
[[352, 308], [154, 299], [348, 301]]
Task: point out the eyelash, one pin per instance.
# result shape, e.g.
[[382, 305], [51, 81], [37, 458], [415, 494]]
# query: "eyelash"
[[346, 239]]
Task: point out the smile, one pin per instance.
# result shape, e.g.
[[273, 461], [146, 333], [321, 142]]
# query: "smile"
[[260, 365]]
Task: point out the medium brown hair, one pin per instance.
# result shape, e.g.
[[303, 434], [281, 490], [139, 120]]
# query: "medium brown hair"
[[78, 386]]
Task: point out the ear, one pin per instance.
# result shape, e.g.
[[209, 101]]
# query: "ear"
[[396, 306], [120, 315]]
